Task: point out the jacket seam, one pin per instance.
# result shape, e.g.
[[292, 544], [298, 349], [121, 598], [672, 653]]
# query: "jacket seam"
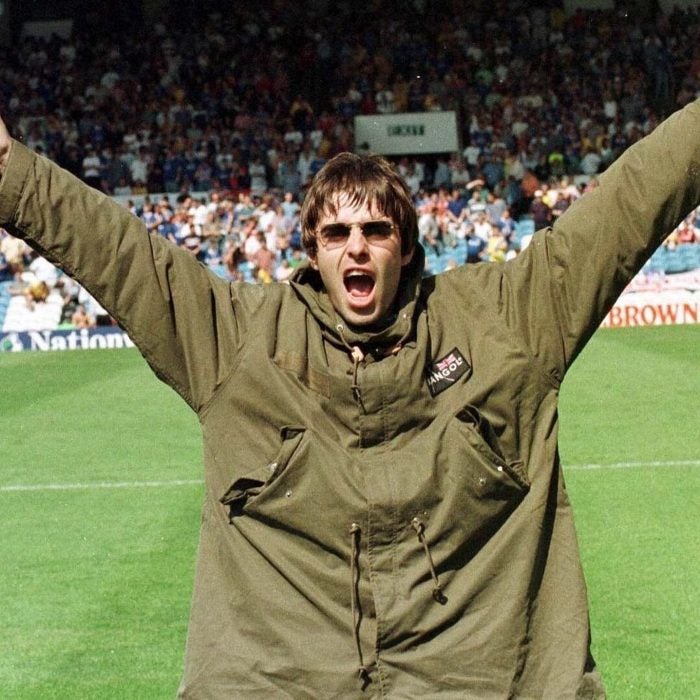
[[243, 349], [21, 185], [553, 381]]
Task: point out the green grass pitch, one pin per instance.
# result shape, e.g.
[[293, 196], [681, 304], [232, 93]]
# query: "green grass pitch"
[[96, 578]]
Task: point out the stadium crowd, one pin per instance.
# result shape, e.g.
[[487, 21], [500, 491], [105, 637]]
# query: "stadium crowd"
[[218, 146]]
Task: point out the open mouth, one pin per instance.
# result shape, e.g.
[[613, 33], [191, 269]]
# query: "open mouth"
[[359, 285]]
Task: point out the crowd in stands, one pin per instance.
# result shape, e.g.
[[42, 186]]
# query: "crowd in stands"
[[243, 106]]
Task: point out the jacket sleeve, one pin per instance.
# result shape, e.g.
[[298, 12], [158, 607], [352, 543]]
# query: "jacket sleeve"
[[558, 291], [177, 313]]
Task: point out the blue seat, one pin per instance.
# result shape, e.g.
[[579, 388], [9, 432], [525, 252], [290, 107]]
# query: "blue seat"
[[659, 260], [523, 227], [688, 256], [247, 270], [674, 262], [4, 300], [220, 271]]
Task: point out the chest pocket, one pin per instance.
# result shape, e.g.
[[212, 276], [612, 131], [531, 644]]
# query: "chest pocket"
[[250, 486], [495, 475], [464, 490], [310, 487]]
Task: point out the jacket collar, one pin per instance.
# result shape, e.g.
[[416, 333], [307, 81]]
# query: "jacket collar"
[[388, 336]]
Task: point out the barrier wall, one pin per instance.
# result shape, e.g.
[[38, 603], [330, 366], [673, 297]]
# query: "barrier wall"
[[644, 303], [648, 309], [52, 341], [657, 300]]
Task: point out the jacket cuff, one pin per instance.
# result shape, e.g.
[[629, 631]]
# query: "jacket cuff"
[[19, 165]]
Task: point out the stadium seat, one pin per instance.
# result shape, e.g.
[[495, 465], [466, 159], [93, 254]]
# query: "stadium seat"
[[247, 270], [523, 227], [658, 261], [687, 256], [4, 300], [220, 271]]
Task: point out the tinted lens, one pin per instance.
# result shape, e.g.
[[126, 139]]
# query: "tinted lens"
[[377, 231], [334, 235]]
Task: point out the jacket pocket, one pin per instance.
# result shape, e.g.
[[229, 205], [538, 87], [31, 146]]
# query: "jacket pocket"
[[248, 487], [496, 470]]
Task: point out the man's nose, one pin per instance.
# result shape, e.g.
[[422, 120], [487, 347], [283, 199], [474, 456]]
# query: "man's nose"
[[357, 243]]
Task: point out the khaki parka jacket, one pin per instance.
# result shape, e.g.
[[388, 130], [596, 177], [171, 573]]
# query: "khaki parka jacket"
[[391, 522]]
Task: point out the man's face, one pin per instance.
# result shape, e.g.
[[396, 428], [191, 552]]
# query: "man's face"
[[361, 276]]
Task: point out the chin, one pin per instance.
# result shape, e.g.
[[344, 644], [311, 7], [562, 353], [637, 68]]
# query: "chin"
[[357, 318]]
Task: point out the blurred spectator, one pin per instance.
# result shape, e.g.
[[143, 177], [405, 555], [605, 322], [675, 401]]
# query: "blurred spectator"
[[561, 205], [80, 318], [540, 212], [428, 232], [15, 253], [475, 247], [36, 292], [92, 167]]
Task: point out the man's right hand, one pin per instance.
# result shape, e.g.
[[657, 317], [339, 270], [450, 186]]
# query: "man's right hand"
[[5, 142]]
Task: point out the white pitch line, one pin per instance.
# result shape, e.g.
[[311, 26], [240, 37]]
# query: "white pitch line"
[[101, 485], [198, 482], [632, 465]]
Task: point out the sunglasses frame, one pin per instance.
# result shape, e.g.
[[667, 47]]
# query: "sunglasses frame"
[[386, 230]]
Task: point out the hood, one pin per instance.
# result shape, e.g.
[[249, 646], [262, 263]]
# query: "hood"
[[394, 331]]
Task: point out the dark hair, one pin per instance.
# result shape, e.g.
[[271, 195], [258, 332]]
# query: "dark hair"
[[368, 180]]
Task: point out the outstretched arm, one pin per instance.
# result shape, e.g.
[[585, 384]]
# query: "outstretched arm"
[[570, 276], [176, 312]]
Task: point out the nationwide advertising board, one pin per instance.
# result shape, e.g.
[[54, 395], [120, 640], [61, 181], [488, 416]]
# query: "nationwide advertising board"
[[52, 341]]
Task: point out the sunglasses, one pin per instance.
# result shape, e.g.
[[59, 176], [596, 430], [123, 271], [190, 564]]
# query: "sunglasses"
[[337, 235]]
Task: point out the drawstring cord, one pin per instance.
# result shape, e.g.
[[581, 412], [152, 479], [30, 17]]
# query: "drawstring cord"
[[419, 527], [438, 595], [362, 670], [357, 357]]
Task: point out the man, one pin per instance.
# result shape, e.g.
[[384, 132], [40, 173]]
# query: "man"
[[540, 210], [92, 166], [385, 513]]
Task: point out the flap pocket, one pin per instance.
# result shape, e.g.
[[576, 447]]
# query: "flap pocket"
[[253, 483], [483, 438]]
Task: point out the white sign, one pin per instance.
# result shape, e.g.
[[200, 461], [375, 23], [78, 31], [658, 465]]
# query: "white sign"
[[654, 309], [407, 133], [108, 337]]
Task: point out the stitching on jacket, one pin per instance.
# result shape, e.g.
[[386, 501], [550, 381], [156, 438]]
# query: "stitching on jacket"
[[244, 348]]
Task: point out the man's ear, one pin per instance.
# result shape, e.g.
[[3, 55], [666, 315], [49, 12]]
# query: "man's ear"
[[407, 257], [311, 255]]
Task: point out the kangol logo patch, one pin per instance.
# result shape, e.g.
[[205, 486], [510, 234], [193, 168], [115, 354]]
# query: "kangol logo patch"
[[443, 373]]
